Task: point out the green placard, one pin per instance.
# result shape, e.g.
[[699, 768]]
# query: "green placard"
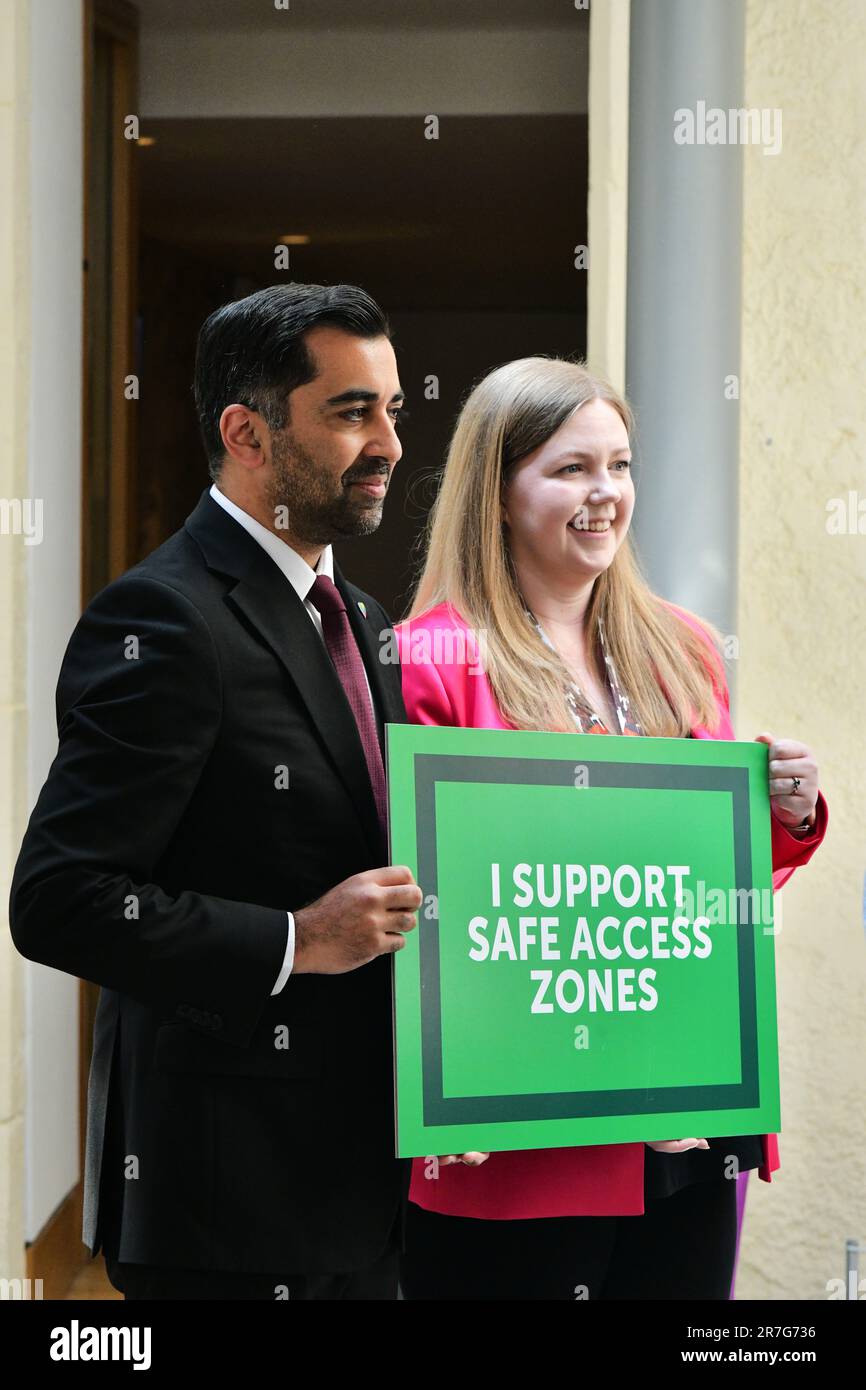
[[594, 959]]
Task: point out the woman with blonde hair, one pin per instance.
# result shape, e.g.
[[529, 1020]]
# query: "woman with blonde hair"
[[529, 562]]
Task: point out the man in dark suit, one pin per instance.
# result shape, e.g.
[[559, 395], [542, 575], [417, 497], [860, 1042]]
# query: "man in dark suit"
[[210, 844]]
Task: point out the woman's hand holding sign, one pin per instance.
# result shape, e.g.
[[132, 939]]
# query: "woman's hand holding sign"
[[793, 780], [667, 1146], [677, 1146], [472, 1160]]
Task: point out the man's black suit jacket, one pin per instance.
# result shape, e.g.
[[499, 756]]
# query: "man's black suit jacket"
[[160, 860]]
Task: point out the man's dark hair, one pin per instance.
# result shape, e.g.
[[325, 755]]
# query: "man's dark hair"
[[252, 351]]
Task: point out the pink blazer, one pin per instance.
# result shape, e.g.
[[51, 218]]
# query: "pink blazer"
[[594, 1180]]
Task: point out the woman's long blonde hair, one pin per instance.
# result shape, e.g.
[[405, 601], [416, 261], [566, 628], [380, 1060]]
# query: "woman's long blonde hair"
[[663, 666]]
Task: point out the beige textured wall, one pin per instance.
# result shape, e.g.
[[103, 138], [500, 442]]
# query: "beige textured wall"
[[802, 607], [14, 388]]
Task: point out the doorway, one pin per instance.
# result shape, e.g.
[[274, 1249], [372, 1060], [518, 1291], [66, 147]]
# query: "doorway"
[[454, 190]]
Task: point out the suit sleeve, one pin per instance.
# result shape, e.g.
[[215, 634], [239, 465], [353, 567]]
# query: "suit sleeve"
[[139, 704]]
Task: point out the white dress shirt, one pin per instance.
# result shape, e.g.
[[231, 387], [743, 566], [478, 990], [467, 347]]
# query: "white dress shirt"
[[302, 578]]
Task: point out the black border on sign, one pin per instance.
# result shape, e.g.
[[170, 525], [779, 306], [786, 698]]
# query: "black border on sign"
[[439, 1109]]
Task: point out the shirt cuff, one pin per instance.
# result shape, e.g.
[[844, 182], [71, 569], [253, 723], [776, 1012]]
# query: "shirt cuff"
[[288, 959], [814, 832]]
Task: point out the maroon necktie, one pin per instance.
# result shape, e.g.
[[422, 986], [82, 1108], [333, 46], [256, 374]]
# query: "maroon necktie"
[[343, 649]]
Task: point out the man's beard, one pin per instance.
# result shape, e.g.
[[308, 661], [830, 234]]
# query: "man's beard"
[[314, 509]]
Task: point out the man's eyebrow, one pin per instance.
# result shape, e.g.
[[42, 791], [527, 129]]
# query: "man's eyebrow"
[[360, 394]]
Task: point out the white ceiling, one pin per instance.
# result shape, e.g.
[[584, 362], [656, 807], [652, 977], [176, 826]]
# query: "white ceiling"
[[168, 15]]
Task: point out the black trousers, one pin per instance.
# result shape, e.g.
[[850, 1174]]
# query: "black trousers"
[[379, 1281], [152, 1282], [136, 1281], [683, 1247]]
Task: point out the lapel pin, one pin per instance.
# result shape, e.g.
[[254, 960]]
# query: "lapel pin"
[[362, 607]]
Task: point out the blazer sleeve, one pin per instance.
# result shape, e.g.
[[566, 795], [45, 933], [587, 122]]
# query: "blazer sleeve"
[[424, 694], [138, 712], [789, 851]]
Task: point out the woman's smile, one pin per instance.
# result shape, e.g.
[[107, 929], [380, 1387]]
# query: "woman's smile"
[[594, 527]]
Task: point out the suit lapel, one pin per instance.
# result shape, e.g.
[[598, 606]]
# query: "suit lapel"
[[264, 599]]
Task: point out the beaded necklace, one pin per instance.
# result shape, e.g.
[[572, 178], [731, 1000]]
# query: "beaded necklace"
[[585, 718]]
